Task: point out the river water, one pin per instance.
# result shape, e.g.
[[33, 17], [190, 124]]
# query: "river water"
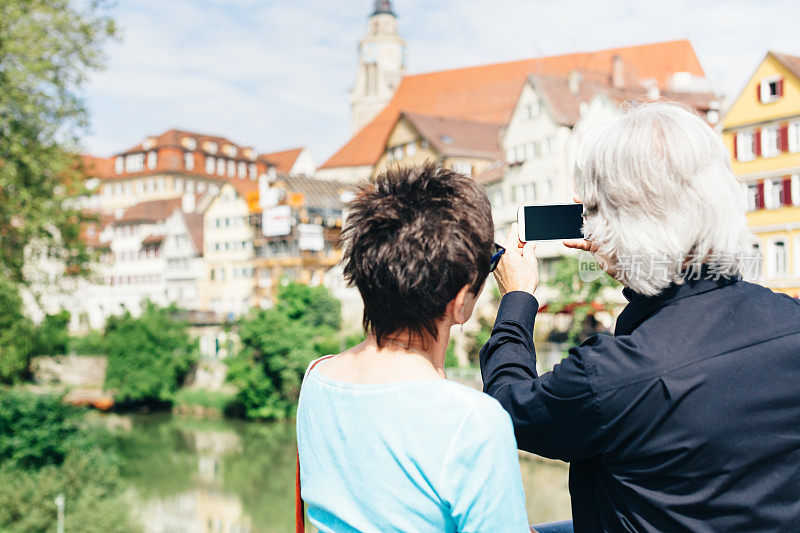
[[191, 475]]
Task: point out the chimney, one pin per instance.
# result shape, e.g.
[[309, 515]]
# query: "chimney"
[[617, 73], [188, 202], [574, 81]]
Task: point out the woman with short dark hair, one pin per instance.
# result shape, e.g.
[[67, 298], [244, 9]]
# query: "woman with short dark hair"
[[385, 442]]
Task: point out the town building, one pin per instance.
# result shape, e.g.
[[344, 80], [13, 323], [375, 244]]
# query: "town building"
[[295, 161], [461, 145], [762, 131], [381, 65], [489, 93]]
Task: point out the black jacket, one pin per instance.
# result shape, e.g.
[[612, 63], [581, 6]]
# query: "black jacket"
[[687, 419]]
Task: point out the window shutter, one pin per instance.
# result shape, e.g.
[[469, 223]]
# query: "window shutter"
[[780, 87], [757, 142], [783, 138], [787, 190], [736, 137], [758, 92], [760, 195]]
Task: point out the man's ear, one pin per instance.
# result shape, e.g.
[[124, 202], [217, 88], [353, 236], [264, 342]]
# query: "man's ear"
[[459, 307]]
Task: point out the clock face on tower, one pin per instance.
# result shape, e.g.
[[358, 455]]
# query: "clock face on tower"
[[370, 53]]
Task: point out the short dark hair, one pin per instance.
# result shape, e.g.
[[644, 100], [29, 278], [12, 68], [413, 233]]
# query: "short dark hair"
[[412, 239]]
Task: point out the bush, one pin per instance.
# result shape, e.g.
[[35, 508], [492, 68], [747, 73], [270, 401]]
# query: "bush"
[[47, 449], [277, 346], [203, 398], [149, 356], [52, 335], [16, 331], [92, 343]]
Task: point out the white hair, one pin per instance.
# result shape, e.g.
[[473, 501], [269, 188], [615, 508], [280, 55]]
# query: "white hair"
[[660, 196]]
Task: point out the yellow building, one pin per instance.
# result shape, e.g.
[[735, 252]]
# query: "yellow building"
[[762, 132], [461, 145]]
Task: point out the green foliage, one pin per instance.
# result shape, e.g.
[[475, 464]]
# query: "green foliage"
[[52, 335], [278, 344], [478, 338], [16, 331], [315, 306], [46, 448], [209, 399], [149, 356], [92, 343], [47, 50], [450, 359], [578, 295]]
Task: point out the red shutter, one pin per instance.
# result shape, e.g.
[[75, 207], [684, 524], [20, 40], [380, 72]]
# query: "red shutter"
[[780, 87], [783, 138], [787, 190], [760, 195], [736, 146], [757, 142], [758, 92]]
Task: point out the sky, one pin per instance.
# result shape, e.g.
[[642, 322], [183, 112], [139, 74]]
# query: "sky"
[[275, 74]]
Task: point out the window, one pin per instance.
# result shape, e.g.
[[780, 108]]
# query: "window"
[[230, 150], [201, 186], [119, 164], [231, 168], [152, 160], [462, 167], [534, 150], [398, 153], [548, 188], [779, 255], [547, 146], [210, 162], [745, 146], [770, 89], [189, 143], [533, 109], [252, 170], [242, 169], [794, 136], [769, 141], [525, 193], [752, 197], [160, 184], [795, 188], [188, 161], [773, 193], [189, 186], [134, 163], [220, 167], [210, 147], [519, 154], [496, 198], [411, 149]]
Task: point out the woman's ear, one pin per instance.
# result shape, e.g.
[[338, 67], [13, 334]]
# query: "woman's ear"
[[462, 304]]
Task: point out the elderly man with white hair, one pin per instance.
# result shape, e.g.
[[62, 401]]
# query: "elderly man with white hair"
[[688, 417]]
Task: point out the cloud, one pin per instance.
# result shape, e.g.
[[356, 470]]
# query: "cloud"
[[277, 74]]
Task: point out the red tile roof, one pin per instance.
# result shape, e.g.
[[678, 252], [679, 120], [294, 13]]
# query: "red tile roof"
[[488, 93], [284, 160], [458, 138], [152, 211]]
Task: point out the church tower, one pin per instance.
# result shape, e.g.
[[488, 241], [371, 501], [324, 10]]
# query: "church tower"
[[381, 65]]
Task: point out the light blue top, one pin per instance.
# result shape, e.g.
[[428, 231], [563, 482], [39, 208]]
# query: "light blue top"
[[408, 456]]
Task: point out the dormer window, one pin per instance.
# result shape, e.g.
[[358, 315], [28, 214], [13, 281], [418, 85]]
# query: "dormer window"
[[533, 109], [148, 143], [230, 150], [189, 143], [119, 164], [770, 89], [152, 159], [210, 147], [188, 161]]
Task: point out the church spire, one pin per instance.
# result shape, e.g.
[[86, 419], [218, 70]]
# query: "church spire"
[[383, 7]]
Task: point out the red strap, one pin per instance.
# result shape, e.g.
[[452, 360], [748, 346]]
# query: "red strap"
[[299, 506]]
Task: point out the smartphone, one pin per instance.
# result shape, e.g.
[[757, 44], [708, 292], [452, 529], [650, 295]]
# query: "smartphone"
[[550, 222]]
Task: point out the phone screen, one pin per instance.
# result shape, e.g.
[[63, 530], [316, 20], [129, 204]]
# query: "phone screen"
[[549, 222]]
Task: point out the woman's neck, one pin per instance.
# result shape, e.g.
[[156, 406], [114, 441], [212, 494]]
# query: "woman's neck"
[[430, 349]]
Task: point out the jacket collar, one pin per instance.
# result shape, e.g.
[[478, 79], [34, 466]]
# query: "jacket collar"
[[640, 307]]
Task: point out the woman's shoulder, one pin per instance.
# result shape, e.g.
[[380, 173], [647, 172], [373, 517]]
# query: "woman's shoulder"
[[476, 403]]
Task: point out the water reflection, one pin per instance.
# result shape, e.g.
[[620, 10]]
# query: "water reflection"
[[189, 475]]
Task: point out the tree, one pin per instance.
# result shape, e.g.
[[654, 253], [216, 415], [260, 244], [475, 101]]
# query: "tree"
[[47, 49], [149, 356], [46, 449], [52, 335], [15, 334], [278, 344], [581, 297]]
